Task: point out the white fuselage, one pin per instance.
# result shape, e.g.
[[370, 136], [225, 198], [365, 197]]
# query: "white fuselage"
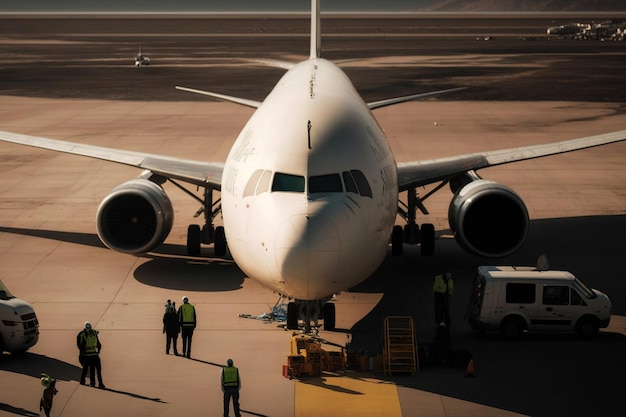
[[309, 191]]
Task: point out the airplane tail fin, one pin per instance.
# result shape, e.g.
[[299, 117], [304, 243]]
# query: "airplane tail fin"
[[316, 36]]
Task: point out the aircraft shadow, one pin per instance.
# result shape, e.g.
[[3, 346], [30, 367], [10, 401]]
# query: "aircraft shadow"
[[211, 275], [33, 364], [538, 375], [18, 411], [543, 375], [169, 266], [85, 239], [89, 239]]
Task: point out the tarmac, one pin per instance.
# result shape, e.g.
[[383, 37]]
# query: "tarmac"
[[50, 256]]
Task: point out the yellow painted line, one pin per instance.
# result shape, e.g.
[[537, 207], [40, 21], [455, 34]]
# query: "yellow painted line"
[[346, 395]]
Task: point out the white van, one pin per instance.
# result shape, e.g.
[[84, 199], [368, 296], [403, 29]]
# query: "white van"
[[513, 300], [19, 328]]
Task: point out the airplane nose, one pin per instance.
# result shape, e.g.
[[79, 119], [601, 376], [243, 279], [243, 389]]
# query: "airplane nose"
[[307, 248]]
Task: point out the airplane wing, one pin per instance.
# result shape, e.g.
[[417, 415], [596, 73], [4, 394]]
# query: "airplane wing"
[[194, 172], [419, 173], [397, 100], [238, 100]]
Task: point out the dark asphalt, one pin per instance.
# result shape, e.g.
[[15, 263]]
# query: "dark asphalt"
[[93, 57]]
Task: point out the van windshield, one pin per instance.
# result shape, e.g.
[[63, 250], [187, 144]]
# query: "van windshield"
[[584, 289], [5, 294]]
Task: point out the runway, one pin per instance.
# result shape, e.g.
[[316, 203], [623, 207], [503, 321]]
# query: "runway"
[[51, 256]]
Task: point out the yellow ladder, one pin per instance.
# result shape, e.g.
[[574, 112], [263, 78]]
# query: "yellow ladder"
[[399, 353]]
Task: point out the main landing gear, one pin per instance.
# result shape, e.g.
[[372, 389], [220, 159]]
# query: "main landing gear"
[[208, 233], [412, 234]]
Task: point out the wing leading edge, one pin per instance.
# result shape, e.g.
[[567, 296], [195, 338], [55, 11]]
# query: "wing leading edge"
[[420, 173], [194, 172]]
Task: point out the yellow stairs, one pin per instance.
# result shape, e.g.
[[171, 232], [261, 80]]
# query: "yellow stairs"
[[399, 350]]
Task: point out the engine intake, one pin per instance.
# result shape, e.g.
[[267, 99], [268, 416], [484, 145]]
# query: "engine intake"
[[488, 219], [135, 217]]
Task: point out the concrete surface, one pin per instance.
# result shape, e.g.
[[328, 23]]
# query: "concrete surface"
[[51, 257]]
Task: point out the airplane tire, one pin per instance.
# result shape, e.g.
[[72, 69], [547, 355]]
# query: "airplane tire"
[[397, 239], [193, 240], [292, 316], [220, 241], [428, 239], [411, 233], [329, 316]]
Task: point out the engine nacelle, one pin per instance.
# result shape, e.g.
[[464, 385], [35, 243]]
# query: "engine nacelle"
[[135, 217], [488, 219]]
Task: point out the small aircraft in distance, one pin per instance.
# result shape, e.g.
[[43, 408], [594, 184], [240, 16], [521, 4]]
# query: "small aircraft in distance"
[[141, 60], [309, 193]]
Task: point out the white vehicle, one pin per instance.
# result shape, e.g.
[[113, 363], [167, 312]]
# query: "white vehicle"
[[513, 300], [19, 328], [309, 193]]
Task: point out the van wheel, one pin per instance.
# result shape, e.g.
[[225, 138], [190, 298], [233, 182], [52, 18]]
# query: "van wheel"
[[587, 327], [511, 328]]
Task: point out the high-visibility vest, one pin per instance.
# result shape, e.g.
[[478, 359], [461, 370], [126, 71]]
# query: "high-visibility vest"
[[90, 340], [441, 287], [231, 376], [186, 315]]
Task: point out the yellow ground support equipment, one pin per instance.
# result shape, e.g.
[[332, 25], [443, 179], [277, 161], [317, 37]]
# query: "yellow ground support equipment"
[[309, 358], [399, 350]]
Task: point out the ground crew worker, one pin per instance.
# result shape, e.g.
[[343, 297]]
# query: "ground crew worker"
[[443, 289], [231, 384], [170, 327], [89, 347], [47, 396], [187, 323]]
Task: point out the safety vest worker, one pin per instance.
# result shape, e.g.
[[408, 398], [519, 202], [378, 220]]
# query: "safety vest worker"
[[230, 377], [231, 383], [91, 343], [187, 314], [444, 285], [88, 342]]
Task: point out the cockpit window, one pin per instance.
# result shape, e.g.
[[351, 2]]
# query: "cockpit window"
[[361, 182], [258, 183], [264, 182], [330, 183], [252, 182], [288, 183], [350, 184], [354, 181]]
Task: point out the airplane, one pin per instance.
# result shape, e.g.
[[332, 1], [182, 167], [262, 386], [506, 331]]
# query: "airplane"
[[141, 60], [309, 193]]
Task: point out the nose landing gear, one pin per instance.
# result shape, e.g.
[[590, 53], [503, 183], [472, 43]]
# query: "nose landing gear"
[[310, 311]]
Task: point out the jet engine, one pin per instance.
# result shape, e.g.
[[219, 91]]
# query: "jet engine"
[[488, 219], [135, 217]]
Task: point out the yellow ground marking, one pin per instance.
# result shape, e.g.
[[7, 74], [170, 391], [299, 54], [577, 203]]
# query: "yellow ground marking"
[[346, 395]]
